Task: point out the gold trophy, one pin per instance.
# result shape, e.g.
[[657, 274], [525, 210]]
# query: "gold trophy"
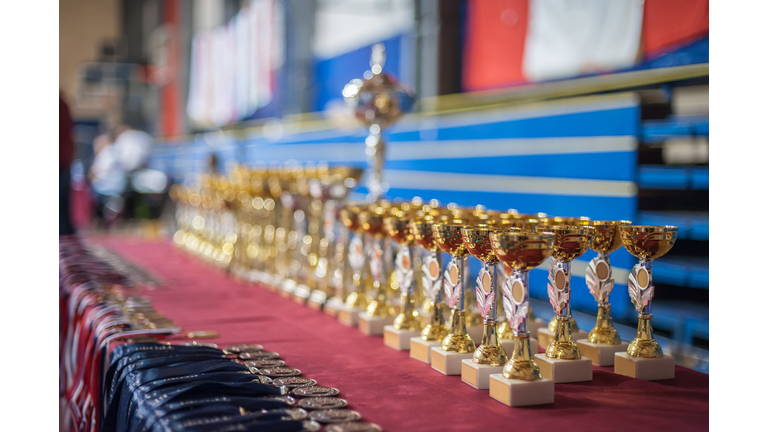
[[644, 358], [457, 345], [435, 331], [546, 335], [520, 382], [562, 361], [357, 300], [490, 356], [379, 311], [378, 101], [603, 341], [330, 189], [407, 324]]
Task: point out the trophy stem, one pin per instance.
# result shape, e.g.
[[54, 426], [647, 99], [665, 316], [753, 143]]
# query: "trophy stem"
[[604, 332], [490, 351], [562, 345], [436, 329], [408, 319], [644, 345], [552, 326], [380, 305], [357, 298], [458, 340], [375, 148], [521, 365]]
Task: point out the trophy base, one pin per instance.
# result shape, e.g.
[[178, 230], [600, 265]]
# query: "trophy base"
[[421, 350], [275, 280], [399, 339], [316, 300], [601, 355], [332, 307], [649, 369], [448, 363], [476, 333], [349, 316], [478, 376], [564, 371], [301, 294], [287, 288], [545, 336], [509, 345], [373, 326], [517, 393]]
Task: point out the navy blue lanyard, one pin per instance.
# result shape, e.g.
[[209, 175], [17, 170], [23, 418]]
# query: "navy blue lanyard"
[[228, 377], [156, 399], [247, 403]]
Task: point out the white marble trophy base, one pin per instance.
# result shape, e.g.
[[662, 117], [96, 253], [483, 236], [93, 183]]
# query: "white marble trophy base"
[[476, 333], [516, 393], [564, 371], [349, 315], [601, 355], [373, 326], [301, 294], [649, 369], [332, 307], [399, 339], [286, 288], [448, 363], [545, 336], [509, 346], [271, 282], [316, 300], [478, 376], [421, 350]]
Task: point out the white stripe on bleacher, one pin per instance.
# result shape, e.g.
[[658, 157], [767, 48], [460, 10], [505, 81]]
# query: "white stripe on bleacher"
[[448, 149], [429, 180]]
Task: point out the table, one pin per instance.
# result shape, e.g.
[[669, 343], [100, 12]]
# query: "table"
[[387, 387]]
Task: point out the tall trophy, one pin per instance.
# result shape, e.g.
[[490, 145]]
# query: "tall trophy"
[[520, 382], [457, 345], [378, 101], [435, 331], [407, 324], [489, 357], [603, 341], [563, 361], [357, 300], [644, 358], [379, 311]]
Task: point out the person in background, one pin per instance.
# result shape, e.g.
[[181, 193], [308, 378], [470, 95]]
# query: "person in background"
[[66, 155]]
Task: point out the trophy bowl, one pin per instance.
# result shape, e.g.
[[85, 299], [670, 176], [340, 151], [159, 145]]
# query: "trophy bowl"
[[399, 229], [569, 242], [478, 243], [521, 250], [606, 237], [372, 221], [422, 234], [648, 242], [448, 238], [350, 217]]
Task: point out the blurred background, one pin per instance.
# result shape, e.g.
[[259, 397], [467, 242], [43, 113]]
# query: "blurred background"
[[594, 108]]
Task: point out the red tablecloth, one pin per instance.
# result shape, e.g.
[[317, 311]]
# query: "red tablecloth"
[[389, 388]]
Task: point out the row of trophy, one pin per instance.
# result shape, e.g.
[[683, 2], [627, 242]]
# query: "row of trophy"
[[379, 266]]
